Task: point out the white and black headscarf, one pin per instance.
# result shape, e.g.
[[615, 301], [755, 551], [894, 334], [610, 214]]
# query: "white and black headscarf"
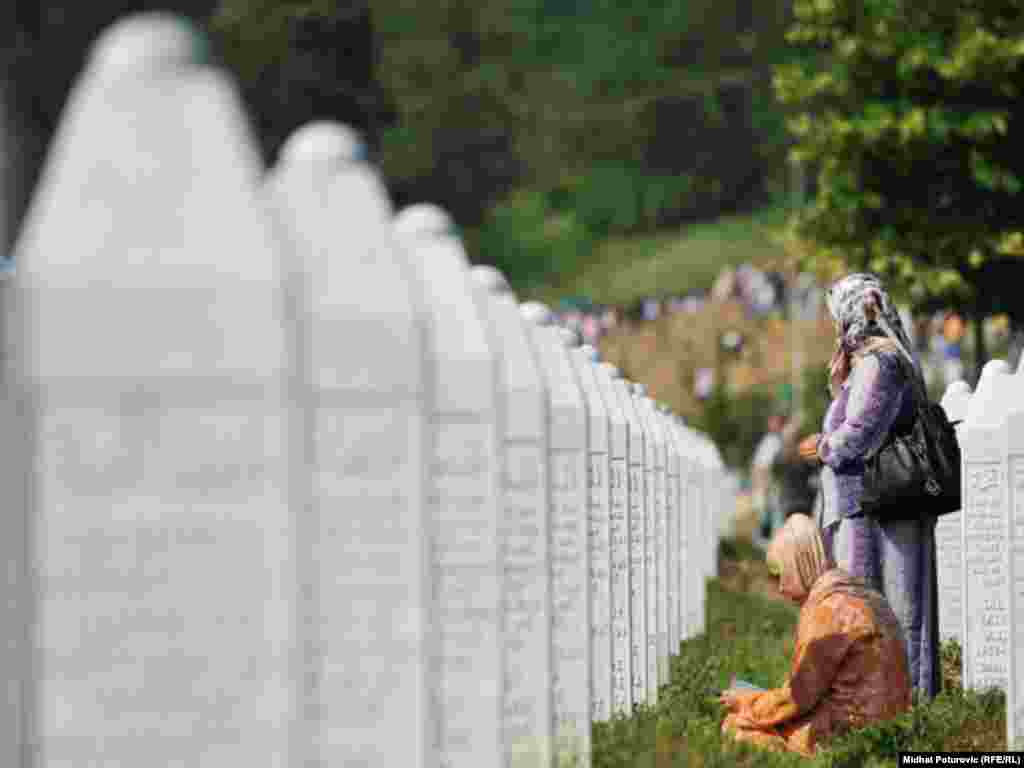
[[863, 312]]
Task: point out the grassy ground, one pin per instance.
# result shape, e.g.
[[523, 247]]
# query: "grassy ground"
[[749, 633], [622, 270]]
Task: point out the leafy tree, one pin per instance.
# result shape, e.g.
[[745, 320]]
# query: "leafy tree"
[[911, 111]]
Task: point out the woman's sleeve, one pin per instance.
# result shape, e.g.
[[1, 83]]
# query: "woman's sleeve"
[[818, 656], [876, 395]]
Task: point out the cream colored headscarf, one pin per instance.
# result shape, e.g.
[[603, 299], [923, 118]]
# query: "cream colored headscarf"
[[797, 555]]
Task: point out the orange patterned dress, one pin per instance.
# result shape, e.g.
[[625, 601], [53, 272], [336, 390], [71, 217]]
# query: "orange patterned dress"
[[849, 670]]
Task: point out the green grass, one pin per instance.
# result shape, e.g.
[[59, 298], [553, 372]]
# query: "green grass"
[[751, 636], [623, 269]]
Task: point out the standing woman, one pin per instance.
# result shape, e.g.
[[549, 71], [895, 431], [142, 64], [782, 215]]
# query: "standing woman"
[[872, 392]]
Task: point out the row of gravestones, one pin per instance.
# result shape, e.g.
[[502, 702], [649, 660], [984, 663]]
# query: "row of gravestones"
[[293, 485], [980, 550]]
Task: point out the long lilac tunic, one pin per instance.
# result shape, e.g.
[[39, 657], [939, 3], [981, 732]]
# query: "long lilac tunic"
[[897, 557]]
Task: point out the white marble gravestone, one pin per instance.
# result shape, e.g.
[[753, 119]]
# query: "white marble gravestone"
[[715, 489], [664, 587], [637, 494], [584, 359], [948, 531], [694, 542], [618, 482], [720, 487], [359, 449], [655, 487], [568, 525], [671, 535], [714, 513], [683, 564], [703, 533], [985, 509], [149, 499], [1014, 561], [463, 507], [526, 605], [671, 544]]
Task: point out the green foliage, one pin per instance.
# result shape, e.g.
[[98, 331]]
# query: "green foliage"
[[911, 113], [660, 108], [740, 549], [750, 635], [735, 422], [618, 199], [550, 245], [638, 102], [622, 269], [528, 240], [816, 397], [302, 60]]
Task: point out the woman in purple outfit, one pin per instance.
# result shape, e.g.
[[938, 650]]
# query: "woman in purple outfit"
[[871, 393]]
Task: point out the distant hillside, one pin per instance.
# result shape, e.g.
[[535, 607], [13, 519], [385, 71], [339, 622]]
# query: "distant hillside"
[[622, 270]]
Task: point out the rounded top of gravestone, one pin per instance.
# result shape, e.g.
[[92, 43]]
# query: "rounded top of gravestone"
[[490, 279], [995, 367], [958, 387], [639, 389], [590, 353], [424, 220], [146, 43], [324, 143], [537, 313], [568, 337], [986, 405], [612, 371]]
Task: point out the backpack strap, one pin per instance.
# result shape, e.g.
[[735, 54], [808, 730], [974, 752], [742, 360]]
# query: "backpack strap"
[[905, 421]]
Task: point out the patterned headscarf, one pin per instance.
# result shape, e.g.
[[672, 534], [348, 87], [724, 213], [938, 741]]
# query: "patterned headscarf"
[[797, 555], [864, 312]]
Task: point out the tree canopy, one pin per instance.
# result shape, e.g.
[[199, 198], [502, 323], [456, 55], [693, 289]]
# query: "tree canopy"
[[911, 112]]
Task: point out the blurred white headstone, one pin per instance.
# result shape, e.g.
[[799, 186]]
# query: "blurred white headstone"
[[149, 500], [694, 542], [703, 534], [986, 608], [463, 507], [1014, 592], [584, 360], [526, 606], [570, 579], [684, 565], [715, 485], [671, 537], [655, 479], [637, 494], [661, 539], [715, 488], [948, 532], [364, 564], [618, 481]]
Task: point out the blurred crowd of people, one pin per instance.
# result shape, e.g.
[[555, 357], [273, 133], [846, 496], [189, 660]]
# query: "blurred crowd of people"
[[761, 293], [781, 484]]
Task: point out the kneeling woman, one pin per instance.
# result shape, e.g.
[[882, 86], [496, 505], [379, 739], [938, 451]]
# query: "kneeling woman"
[[849, 664]]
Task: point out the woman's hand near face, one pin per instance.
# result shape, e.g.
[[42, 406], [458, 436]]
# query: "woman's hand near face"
[[808, 448]]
